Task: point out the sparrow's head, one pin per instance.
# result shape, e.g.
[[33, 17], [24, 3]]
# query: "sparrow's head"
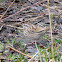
[[29, 27]]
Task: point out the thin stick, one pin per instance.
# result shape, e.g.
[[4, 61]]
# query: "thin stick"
[[23, 9], [51, 8], [7, 10], [20, 52], [33, 57], [33, 19], [15, 27], [50, 29]]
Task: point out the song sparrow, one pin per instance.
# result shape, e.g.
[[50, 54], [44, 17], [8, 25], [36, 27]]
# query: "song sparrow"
[[31, 31]]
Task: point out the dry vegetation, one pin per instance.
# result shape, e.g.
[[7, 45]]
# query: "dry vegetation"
[[30, 31]]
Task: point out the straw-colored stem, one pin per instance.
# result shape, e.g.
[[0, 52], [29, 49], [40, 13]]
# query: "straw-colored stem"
[[50, 30]]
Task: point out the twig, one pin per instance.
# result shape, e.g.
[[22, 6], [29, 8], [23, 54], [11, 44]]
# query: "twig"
[[15, 27], [33, 57], [22, 10], [7, 10], [20, 52], [33, 19], [50, 29], [51, 7]]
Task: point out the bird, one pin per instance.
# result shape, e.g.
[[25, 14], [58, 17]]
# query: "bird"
[[32, 31]]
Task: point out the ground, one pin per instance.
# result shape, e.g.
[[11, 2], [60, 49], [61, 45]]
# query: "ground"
[[35, 12]]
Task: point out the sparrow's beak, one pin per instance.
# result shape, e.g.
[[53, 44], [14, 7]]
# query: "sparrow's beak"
[[39, 29]]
